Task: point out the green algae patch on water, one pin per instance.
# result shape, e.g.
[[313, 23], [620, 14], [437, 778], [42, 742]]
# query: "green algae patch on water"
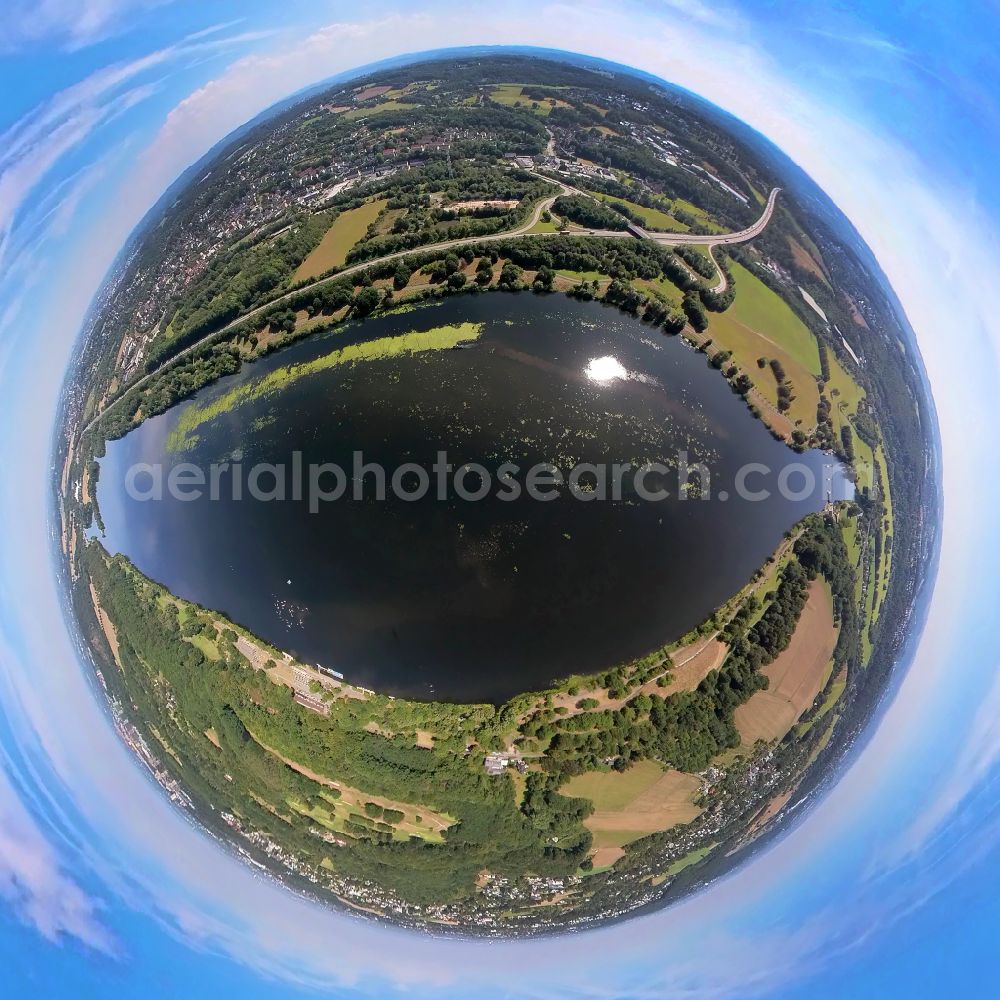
[[183, 436]]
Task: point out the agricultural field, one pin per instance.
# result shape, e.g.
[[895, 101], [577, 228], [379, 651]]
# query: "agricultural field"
[[796, 676], [761, 309], [807, 260], [378, 109], [347, 229], [759, 324], [632, 804]]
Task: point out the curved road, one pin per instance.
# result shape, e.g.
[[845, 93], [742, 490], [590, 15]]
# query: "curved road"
[[721, 239], [522, 231]]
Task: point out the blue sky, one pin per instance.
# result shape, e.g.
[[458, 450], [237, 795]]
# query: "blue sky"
[[886, 887]]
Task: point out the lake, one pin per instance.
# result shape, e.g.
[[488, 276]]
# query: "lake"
[[443, 596]]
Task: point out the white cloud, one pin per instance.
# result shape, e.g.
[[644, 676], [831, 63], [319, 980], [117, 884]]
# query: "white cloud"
[[33, 146], [71, 24], [711, 15], [35, 884], [862, 40], [977, 762], [699, 948]]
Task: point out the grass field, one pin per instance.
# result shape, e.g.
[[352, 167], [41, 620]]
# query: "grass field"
[[796, 675], [512, 94], [582, 275], [388, 218], [703, 249], [852, 539], [378, 109], [869, 571], [616, 838], [636, 802], [864, 463], [208, 647], [335, 814], [837, 688], [887, 529], [824, 740], [762, 309], [609, 790], [843, 392], [333, 249], [869, 463], [688, 860], [769, 583], [806, 260], [759, 324], [661, 288], [700, 214], [690, 664], [652, 218]]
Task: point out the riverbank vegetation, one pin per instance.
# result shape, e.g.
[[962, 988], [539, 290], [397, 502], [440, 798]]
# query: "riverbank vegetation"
[[386, 803], [394, 790]]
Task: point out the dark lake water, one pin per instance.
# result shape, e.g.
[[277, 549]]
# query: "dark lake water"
[[452, 598]]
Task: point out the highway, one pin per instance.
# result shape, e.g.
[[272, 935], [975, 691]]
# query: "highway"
[[721, 239], [519, 232]]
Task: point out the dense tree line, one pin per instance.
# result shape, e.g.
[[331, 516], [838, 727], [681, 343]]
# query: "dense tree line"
[[170, 679], [684, 730], [698, 262], [622, 260], [589, 213], [235, 282]]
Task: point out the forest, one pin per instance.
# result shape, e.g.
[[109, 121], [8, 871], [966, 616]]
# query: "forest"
[[183, 693]]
